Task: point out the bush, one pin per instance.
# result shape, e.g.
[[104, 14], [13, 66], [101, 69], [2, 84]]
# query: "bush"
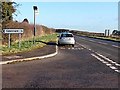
[[28, 31]]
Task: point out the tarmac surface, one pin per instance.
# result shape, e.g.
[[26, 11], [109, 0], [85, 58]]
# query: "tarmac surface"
[[91, 64]]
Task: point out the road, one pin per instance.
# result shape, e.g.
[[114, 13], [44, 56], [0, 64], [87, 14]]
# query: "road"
[[92, 63]]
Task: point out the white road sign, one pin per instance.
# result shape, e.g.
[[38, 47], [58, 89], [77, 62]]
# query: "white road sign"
[[10, 31]]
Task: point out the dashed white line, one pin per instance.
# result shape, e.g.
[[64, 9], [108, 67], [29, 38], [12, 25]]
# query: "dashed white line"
[[117, 64], [109, 64], [101, 60], [112, 67], [92, 40], [105, 62], [72, 48], [102, 43], [90, 49], [115, 46], [62, 48], [69, 48], [80, 48], [117, 71]]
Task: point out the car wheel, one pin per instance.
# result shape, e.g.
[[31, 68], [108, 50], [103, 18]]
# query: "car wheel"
[[73, 45]]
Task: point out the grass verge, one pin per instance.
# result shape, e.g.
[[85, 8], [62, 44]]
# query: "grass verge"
[[27, 45]]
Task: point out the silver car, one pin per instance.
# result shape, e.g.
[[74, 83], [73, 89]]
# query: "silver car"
[[66, 39]]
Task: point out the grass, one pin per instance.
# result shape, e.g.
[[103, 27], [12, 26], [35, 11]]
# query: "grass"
[[27, 45]]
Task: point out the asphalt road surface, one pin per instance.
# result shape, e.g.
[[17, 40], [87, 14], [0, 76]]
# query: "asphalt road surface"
[[92, 63]]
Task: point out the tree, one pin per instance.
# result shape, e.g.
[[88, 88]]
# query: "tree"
[[116, 32], [8, 10], [26, 20], [0, 15]]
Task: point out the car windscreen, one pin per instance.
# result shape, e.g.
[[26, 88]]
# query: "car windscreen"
[[66, 35]]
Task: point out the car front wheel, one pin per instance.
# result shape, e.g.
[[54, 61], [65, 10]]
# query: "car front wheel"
[[72, 45]]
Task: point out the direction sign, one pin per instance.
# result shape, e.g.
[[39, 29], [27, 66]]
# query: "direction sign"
[[13, 31], [10, 31]]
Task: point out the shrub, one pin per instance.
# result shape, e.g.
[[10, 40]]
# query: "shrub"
[[28, 31]]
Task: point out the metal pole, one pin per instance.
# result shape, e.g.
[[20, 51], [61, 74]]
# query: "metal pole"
[[108, 32], [105, 32], [34, 28], [9, 41], [19, 41]]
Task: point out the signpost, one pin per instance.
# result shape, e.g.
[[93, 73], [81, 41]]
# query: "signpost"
[[35, 12], [13, 31]]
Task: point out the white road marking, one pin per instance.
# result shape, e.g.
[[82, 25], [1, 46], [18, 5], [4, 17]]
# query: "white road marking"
[[117, 71], [101, 60], [103, 57], [106, 63], [69, 48], [108, 59], [97, 57], [113, 62], [80, 48], [112, 67], [115, 46], [96, 41], [72, 48], [76, 48], [90, 49], [62, 48], [102, 43], [109, 64], [92, 40], [117, 64]]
